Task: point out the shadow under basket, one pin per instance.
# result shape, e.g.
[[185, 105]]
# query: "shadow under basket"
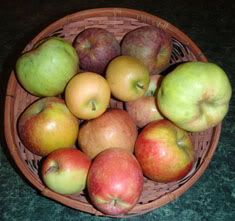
[[118, 21]]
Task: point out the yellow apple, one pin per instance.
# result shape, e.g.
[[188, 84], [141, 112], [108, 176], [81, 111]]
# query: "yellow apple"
[[128, 78], [87, 95]]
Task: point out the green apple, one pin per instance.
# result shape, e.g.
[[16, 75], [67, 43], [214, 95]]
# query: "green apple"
[[87, 95], [195, 95], [46, 69], [65, 171], [128, 78], [47, 125]]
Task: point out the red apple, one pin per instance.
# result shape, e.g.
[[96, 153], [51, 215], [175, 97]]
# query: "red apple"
[[149, 44], [114, 128], [115, 181], [144, 110], [95, 48], [65, 171], [164, 151], [47, 125]]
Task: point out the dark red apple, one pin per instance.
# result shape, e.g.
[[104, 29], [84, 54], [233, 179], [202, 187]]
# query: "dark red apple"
[[96, 47], [164, 151], [114, 128], [151, 45], [115, 181]]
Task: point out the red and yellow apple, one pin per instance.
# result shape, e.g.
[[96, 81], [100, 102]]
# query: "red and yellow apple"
[[96, 47], [47, 125], [195, 95], [114, 128], [65, 171], [149, 44], [87, 95], [164, 151], [115, 181], [128, 78]]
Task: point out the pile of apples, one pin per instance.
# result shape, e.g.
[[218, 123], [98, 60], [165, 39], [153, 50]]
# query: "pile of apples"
[[86, 143]]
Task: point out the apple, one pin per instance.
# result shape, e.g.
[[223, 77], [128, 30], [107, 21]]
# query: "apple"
[[151, 45], [87, 95], [164, 151], [65, 171], [195, 95], [115, 181], [46, 69], [47, 125], [96, 47], [114, 128], [154, 84], [128, 78], [144, 109]]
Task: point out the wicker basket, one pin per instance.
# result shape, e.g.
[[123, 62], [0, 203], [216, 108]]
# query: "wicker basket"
[[119, 21]]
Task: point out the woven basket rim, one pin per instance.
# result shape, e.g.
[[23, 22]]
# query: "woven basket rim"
[[9, 103], [99, 12]]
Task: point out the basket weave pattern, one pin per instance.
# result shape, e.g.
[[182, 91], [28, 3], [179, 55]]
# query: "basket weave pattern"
[[119, 21]]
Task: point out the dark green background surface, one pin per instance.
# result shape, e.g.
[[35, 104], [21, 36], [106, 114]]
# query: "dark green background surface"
[[210, 25]]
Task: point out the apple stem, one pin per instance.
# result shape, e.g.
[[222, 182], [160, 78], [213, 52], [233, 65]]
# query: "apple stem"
[[93, 106], [139, 85], [53, 168], [114, 202]]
